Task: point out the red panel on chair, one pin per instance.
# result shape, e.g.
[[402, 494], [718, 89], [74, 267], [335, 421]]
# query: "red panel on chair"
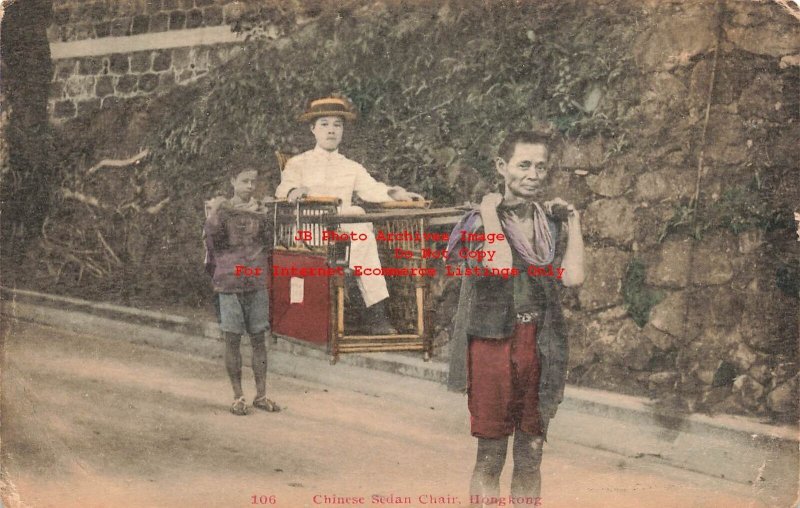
[[306, 320]]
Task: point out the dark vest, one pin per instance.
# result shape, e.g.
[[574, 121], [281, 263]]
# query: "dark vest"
[[486, 309]]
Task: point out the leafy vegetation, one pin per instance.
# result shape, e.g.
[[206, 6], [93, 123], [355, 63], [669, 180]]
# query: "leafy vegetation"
[[422, 80], [638, 297]]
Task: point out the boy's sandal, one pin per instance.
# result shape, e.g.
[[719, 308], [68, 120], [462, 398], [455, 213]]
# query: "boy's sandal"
[[266, 404], [239, 406]]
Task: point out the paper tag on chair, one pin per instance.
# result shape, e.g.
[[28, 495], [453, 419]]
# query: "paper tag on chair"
[[296, 287]]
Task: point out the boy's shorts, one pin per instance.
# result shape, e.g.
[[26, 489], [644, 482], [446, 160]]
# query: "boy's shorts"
[[503, 392], [244, 312]]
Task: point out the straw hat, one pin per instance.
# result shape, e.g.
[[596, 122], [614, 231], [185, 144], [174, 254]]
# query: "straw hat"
[[329, 106]]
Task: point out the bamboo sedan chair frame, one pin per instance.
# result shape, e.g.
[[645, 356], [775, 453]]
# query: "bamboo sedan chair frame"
[[407, 306]]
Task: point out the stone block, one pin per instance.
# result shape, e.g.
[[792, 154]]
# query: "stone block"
[[119, 64], [712, 265], [181, 58], [166, 80], [761, 372], [213, 16], [612, 219], [53, 33], [203, 3], [665, 92], [79, 86], [102, 29], [789, 61], [65, 68], [140, 61], [748, 389], [672, 266], [194, 18], [159, 22], [784, 398], [83, 31], [764, 98], [663, 380], [153, 6], [200, 58], [783, 146], [88, 107], [148, 82], [121, 27], [90, 65], [768, 322], [750, 241], [162, 61], [734, 74], [233, 11], [669, 316], [169, 5], [61, 16], [621, 345], [744, 357], [776, 34], [187, 4], [583, 154], [67, 33], [127, 84], [719, 306], [659, 339], [637, 350], [177, 20], [665, 184], [105, 86], [64, 109], [185, 76], [141, 24], [612, 314], [56, 90], [726, 141], [603, 287], [699, 82], [676, 36], [111, 102], [611, 182], [97, 12]]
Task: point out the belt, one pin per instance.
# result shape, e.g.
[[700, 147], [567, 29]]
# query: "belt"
[[527, 317]]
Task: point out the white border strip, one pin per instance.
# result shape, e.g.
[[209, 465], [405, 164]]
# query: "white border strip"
[[158, 40]]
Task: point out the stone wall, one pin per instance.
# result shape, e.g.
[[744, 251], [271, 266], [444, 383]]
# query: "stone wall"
[[83, 85], [99, 71], [722, 335], [683, 299], [93, 19]]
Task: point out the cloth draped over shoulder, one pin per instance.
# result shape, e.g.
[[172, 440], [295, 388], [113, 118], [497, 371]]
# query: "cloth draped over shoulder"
[[232, 238], [551, 336]]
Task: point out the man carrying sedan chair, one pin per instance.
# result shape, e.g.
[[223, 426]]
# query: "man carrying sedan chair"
[[509, 339]]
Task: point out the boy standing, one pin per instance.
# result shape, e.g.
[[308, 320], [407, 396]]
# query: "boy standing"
[[237, 245]]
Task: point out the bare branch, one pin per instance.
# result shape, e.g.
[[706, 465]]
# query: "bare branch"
[[118, 163]]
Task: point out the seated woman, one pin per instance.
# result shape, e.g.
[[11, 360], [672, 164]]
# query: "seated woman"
[[323, 171]]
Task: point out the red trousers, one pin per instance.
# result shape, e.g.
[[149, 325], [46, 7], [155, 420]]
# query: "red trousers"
[[503, 390]]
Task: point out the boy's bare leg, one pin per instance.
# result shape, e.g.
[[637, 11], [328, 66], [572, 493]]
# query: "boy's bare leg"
[[526, 481], [258, 341], [233, 362], [485, 483]]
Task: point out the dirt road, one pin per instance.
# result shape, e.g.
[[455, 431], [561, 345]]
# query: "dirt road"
[[91, 422]]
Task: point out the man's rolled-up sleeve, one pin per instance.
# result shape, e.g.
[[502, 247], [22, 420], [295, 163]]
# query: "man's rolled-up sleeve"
[[291, 178], [368, 188]]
